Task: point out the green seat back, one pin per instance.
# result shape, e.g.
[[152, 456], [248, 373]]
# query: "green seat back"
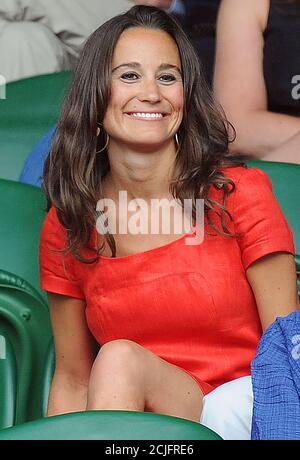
[[22, 210], [25, 327], [8, 380], [112, 425], [285, 178], [31, 107], [24, 315]]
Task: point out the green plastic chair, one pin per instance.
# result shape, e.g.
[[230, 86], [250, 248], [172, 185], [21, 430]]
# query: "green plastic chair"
[[8, 379], [24, 315], [22, 210], [31, 107], [25, 332], [112, 425], [285, 178]]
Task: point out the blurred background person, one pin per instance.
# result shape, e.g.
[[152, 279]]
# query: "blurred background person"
[[41, 36], [257, 76]]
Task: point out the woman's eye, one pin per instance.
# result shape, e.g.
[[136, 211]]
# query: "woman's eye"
[[131, 76], [128, 75], [169, 77]]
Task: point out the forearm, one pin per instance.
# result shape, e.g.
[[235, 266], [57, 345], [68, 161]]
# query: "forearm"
[[163, 4], [259, 133], [288, 152], [66, 395]]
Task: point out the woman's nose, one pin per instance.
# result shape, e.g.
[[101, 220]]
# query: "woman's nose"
[[150, 91]]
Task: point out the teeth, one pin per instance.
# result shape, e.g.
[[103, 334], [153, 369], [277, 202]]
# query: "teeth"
[[146, 115]]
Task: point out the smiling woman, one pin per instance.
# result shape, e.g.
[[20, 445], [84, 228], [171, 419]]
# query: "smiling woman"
[[135, 65], [174, 320]]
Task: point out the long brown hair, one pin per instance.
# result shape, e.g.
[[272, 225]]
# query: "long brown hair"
[[73, 171]]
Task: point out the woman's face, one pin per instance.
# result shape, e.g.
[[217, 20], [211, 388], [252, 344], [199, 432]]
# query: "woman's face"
[[146, 105]]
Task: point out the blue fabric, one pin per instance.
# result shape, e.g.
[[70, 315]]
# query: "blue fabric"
[[177, 7], [33, 169], [276, 381]]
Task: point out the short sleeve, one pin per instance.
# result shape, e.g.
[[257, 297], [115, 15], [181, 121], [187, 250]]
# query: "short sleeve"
[[258, 219], [57, 271]]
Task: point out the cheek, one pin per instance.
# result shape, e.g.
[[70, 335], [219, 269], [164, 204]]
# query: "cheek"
[[178, 99], [120, 95], [117, 104]]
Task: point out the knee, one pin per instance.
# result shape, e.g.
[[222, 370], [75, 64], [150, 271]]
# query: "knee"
[[123, 356]]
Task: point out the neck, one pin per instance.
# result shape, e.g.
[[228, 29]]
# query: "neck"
[[143, 175]]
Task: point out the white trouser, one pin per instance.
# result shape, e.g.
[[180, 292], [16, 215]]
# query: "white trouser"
[[227, 410]]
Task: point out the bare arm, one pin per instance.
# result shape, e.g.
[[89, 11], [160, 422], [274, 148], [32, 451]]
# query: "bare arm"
[[75, 351], [289, 151], [239, 80], [163, 4], [274, 283]]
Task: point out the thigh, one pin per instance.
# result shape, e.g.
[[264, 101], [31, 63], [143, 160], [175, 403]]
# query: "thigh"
[[167, 389], [172, 391]]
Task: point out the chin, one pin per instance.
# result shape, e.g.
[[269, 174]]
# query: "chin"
[[147, 145]]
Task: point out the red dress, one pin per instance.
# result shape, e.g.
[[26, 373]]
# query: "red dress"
[[189, 304]]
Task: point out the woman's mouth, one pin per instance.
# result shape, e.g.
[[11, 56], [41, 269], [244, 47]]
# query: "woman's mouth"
[[147, 116]]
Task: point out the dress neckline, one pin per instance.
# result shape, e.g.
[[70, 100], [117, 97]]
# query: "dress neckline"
[[137, 255]]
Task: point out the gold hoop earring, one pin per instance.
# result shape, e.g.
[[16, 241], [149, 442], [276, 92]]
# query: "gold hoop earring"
[[177, 142], [106, 143]]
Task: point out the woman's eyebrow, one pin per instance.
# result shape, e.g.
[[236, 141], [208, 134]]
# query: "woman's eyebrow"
[[162, 66]]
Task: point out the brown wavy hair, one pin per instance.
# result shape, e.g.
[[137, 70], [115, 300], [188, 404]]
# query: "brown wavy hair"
[[73, 171]]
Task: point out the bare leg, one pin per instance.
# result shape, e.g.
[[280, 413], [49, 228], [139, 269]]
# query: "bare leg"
[[127, 376]]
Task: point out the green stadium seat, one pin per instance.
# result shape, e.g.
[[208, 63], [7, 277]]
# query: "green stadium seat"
[[8, 380], [22, 209], [112, 425], [31, 107], [25, 334], [24, 315]]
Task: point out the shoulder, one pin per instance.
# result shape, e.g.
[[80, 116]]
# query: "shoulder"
[[52, 220], [245, 177], [252, 189], [256, 215], [245, 181], [52, 230]]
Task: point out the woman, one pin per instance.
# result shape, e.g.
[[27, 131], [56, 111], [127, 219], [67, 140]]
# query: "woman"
[[174, 320], [257, 76]]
